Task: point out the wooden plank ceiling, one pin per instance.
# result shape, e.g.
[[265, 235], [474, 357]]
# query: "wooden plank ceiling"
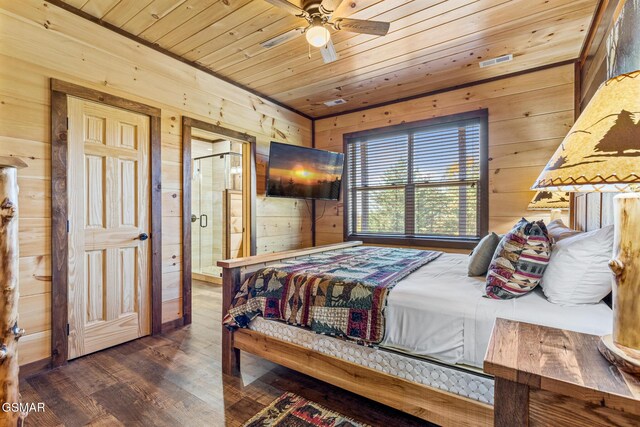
[[432, 44]]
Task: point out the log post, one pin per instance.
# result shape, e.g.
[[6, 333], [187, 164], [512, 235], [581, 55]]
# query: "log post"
[[626, 267], [622, 348], [10, 332]]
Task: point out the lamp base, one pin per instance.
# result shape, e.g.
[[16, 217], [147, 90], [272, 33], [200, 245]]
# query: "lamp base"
[[556, 214], [624, 360]]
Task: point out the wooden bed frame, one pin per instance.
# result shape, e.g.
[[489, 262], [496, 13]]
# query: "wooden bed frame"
[[430, 404]]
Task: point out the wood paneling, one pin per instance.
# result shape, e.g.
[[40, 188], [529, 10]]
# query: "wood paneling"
[[593, 61], [75, 50], [528, 117], [430, 46], [595, 210]]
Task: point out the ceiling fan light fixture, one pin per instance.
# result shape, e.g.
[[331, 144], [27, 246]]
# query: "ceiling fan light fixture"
[[318, 36]]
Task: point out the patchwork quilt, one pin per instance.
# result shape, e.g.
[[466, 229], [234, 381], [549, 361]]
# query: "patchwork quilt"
[[340, 292]]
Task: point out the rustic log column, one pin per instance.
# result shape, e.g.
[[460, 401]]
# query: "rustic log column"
[[626, 266], [623, 348], [9, 330]]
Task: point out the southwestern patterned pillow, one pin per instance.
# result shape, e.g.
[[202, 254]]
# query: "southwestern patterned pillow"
[[519, 261]]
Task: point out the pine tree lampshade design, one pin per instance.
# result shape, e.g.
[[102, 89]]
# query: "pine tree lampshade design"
[[546, 200], [602, 153], [554, 201], [602, 150]]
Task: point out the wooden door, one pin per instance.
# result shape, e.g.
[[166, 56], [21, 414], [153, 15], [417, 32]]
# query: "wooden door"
[[109, 200]]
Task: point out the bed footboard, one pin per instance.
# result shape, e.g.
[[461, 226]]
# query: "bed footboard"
[[233, 274], [420, 400]]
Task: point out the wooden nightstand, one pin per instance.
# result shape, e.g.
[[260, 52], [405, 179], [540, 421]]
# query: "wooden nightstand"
[[548, 376]]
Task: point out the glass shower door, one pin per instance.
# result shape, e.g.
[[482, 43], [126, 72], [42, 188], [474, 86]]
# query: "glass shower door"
[[207, 214]]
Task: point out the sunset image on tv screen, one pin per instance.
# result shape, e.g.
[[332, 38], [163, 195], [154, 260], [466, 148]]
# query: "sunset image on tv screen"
[[304, 172]]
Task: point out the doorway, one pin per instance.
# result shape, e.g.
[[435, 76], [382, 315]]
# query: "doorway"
[[216, 205], [219, 215], [109, 291], [105, 220]]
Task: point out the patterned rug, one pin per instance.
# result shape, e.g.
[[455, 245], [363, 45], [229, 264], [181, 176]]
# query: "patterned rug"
[[291, 410]]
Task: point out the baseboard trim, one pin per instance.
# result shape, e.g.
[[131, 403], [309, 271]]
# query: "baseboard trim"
[[172, 324], [34, 368]]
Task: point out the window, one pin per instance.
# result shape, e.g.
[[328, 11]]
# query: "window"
[[420, 183]]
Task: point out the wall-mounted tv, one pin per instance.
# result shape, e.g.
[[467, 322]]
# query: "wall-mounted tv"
[[304, 173]]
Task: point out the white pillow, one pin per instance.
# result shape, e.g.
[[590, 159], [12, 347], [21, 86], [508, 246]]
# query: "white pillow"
[[578, 271], [558, 231]]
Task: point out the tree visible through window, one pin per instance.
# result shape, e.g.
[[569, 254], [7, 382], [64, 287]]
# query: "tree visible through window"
[[425, 180]]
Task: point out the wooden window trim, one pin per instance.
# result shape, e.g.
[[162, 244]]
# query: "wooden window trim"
[[60, 90], [428, 241], [188, 124]]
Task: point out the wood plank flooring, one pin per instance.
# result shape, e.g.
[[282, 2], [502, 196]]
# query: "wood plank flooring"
[[175, 379]]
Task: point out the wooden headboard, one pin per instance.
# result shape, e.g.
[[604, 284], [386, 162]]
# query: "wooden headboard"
[[592, 210]]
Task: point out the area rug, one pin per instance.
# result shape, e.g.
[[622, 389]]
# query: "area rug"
[[291, 410]]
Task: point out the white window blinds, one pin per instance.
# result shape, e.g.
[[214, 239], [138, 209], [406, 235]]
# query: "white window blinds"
[[420, 182]]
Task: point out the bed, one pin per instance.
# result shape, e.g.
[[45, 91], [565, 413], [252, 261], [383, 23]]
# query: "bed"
[[437, 331]]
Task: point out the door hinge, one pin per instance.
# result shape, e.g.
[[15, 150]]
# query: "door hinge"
[[67, 123], [68, 225], [67, 329]]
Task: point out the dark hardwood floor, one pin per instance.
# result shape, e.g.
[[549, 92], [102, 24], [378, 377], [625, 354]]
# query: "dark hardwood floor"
[[175, 379]]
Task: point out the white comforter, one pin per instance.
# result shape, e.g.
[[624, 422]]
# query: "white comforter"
[[439, 311]]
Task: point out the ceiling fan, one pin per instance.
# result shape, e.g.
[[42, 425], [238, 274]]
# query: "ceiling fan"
[[318, 15]]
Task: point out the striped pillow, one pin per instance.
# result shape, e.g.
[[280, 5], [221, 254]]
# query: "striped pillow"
[[519, 261]]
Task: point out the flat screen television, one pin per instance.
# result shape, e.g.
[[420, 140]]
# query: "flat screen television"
[[304, 173]]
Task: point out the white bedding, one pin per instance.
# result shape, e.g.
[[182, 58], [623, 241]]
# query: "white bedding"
[[438, 311]]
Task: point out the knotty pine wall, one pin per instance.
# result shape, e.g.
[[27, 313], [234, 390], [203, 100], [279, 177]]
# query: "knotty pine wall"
[[529, 115], [593, 67], [39, 41], [595, 210]]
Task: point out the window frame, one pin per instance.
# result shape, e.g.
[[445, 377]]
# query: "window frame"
[[447, 242]]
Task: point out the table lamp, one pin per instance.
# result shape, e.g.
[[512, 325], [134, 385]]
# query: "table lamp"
[[602, 153], [555, 201]]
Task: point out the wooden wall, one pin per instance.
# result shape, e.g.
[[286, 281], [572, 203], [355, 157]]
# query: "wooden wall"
[[595, 210], [529, 115], [39, 41], [593, 64]]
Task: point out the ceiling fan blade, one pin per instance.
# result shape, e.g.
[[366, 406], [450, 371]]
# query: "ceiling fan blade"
[[329, 53], [376, 28], [284, 37], [288, 7], [329, 6]]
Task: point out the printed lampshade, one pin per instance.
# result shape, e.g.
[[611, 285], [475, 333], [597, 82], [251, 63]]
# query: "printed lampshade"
[[602, 150], [547, 200]]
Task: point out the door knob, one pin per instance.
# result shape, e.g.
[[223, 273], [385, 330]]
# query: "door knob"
[[142, 237]]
